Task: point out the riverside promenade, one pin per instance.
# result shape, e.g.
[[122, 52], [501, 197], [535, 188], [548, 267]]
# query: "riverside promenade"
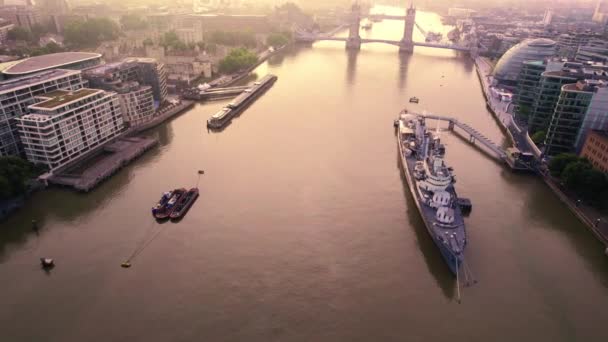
[[586, 214], [519, 137]]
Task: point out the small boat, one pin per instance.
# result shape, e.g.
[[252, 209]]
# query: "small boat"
[[414, 99], [47, 263], [162, 202], [165, 211], [184, 203]]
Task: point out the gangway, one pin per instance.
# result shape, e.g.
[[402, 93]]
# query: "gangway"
[[473, 134]]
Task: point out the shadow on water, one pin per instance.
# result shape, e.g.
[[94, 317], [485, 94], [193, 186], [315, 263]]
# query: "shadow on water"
[[563, 221], [404, 62], [351, 66], [431, 254], [276, 60], [50, 205]]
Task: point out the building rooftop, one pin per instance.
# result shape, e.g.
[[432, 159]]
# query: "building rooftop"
[[51, 61], [27, 81], [60, 98]]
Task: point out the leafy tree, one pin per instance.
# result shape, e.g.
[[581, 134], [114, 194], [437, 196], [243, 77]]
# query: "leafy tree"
[[14, 174], [91, 32], [539, 137], [148, 41], [20, 33], [133, 22], [277, 39], [237, 59], [559, 163], [237, 38], [171, 40], [51, 47]]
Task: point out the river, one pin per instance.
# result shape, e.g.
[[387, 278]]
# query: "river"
[[305, 230]]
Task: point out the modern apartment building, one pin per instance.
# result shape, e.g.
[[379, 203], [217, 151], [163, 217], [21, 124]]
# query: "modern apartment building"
[[536, 96], [137, 103], [596, 149], [145, 71], [581, 107], [24, 16], [5, 26], [67, 124], [596, 50], [16, 95]]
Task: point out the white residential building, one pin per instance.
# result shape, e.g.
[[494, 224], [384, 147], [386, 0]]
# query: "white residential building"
[[67, 124], [19, 93]]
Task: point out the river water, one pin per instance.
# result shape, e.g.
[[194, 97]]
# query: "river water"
[[305, 230]]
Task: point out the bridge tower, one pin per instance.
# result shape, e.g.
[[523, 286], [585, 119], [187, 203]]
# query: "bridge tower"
[[354, 39], [407, 42]]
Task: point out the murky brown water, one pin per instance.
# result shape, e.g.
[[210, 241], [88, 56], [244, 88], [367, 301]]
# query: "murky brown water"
[[305, 230]]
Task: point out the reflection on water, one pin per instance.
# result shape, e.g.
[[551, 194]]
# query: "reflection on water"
[[434, 262], [305, 230]]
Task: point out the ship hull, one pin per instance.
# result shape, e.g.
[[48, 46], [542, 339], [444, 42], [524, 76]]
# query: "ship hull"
[[453, 262]]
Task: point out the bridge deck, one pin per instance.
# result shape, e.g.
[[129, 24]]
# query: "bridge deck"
[[473, 133]]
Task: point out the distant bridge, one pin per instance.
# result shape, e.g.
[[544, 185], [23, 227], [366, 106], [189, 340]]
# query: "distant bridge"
[[406, 44]]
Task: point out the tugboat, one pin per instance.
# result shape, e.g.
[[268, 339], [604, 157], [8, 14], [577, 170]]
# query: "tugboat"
[[414, 99], [431, 183], [184, 204], [164, 207]]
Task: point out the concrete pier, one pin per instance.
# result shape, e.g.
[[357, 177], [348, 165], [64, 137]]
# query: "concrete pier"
[[87, 174]]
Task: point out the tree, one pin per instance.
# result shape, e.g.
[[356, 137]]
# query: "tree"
[[574, 174], [20, 33], [133, 22], [539, 137], [237, 59], [277, 39], [148, 42], [14, 174], [91, 32], [560, 162], [236, 38]]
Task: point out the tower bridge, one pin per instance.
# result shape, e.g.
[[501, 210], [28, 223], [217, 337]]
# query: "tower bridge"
[[406, 44]]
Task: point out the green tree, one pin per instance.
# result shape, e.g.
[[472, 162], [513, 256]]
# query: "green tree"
[[277, 39], [539, 137], [14, 174], [20, 33], [91, 32], [560, 162], [148, 41], [133, 22], [237, 59], [233, 38]]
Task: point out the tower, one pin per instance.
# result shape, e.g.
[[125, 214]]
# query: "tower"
[[354, 40], [407, 42]]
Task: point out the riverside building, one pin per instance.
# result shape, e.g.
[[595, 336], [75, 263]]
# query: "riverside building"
[[16, 95], [508, 67], [136, 100], [596, 149], [67, 124], [581, 107], [145, 71]]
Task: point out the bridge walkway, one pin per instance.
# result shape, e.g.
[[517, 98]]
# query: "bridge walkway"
[[474, 135]]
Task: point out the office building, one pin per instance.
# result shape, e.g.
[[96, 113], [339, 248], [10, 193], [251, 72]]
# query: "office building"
[[145, 71], [595, 149], [61, 60], [24, 16], [581, 107], [596, 50], [600, 15], [16, 95], [5, 26], [67, 124], [510, 64]]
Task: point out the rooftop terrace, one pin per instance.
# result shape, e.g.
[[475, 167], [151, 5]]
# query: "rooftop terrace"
[[60, 98]]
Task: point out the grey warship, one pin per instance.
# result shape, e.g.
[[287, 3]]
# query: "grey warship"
[[431, 183]]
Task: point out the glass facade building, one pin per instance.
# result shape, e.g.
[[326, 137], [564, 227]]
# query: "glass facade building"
[[508, 67]]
